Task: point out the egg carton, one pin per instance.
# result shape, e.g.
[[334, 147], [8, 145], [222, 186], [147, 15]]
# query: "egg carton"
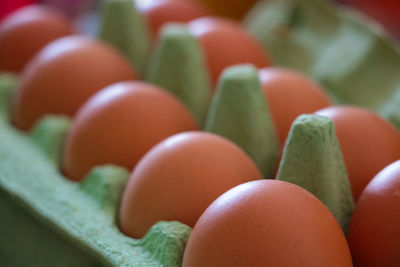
[[48, 220]]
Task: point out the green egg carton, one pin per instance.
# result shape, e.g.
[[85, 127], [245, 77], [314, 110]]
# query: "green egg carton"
[[349, 54], [48, 220]]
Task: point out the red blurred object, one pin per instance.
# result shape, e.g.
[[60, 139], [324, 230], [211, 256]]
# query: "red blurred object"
[[387, 12], [9, 6]]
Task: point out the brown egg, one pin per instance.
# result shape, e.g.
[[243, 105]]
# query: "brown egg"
[[267, 223], [119, 124], [26, 31], [234, 9], [160, 12], [180, 177], [374, 232], [290, 94], [226, 43], [64, 75], [368, 143]]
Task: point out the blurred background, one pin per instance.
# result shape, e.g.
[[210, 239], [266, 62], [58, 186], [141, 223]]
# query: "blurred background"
[[386, 12]]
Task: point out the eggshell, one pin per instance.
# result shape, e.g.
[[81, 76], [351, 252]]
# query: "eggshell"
[[368, 143], [64, 75], [119, 124], [26, 31], [374, 232], [290, 94], [235, 9], [267, 223], [179, 178], [226, 43], [160, 12]]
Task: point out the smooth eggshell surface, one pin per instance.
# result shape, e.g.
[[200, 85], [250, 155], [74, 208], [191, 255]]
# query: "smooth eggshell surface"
[[290, 94], [226, 43], [267, 223], [160, 12], [26, 31], [374, 232], [180, 177], [368, 143], [64, 75], [119, 124]]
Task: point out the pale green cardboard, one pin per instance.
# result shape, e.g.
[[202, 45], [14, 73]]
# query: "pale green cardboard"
[[177, 65], [122, 26], [240, 113], [347, 53], [313, 160], [48, 220]]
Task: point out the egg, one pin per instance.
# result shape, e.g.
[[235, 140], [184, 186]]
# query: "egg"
[[119, 124], [24, 32], [177, 179], [234, 9], [374, 233], [368, 143], [63, 75], [267, 223], [226, 43], [160, 12], [290, 94]]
